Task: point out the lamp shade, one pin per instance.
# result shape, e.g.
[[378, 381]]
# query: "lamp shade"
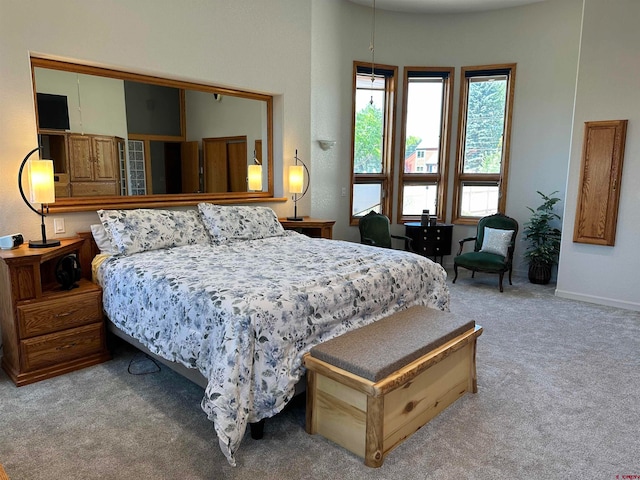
[[41, 180], [296, 178], [255, 177]]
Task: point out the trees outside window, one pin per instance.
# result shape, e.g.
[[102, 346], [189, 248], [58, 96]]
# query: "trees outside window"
[[486, 101], [482, 159], [374, 103]]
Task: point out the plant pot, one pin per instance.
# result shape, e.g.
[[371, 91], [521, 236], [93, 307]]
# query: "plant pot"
[[540, 273]]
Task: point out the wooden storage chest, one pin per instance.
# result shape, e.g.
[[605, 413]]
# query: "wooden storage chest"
[[371, 416]]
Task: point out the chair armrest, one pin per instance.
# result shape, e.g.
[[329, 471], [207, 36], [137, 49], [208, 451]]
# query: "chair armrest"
[[408, 241], [462, 242]]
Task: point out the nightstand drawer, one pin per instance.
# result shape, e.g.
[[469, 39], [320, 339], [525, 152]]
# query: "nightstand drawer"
[[59, 314], [55, 348]]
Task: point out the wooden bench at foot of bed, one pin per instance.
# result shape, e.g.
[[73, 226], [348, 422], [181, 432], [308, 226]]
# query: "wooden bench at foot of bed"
[[371, 388]]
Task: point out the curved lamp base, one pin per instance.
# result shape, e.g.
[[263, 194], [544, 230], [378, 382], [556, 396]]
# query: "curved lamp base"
[[43, 244]]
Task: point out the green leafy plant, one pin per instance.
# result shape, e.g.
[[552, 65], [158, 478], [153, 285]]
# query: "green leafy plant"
[[539, 232]]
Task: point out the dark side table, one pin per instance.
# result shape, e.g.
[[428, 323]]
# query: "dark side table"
[[430, 241]]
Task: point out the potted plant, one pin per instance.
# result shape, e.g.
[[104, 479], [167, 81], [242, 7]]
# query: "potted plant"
[[543, 239]]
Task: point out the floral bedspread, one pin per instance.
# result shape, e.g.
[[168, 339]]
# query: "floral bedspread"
[[244, 313]]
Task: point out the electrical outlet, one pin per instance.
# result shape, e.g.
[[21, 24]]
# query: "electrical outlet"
[[58, 225], [344, 191]]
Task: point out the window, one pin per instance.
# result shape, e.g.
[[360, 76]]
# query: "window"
[[426, 126], [374, 99], [486, 102]]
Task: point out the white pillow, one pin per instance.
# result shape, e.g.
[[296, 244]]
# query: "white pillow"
[[496, 241], [133, 231], [103, 241], [234, 222]]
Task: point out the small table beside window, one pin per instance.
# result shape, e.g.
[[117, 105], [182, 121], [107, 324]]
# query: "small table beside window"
[[430, 241]]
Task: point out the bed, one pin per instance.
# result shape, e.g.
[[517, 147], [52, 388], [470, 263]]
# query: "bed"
[[225, 290]]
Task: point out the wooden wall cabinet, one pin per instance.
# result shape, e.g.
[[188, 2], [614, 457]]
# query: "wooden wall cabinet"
[[93, 165], [599, 187], [47, 331]]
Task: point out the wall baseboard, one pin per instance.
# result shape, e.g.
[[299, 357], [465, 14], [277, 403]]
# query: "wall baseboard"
[[609, 302]]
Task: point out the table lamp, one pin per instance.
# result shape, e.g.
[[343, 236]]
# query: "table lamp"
[[42, 191]]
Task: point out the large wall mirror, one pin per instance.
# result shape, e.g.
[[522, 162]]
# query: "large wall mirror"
[[124, 140]]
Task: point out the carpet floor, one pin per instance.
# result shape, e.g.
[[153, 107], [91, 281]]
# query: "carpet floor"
[[558, 397]]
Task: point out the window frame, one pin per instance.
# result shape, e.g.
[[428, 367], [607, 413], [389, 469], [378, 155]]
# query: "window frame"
[[385, 178], [441, 177], [499, 179]]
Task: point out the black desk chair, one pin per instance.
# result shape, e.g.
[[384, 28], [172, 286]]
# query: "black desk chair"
[[375, 230]]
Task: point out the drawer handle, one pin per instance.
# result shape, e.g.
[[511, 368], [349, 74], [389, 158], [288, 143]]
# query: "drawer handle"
[[424, 248], [66, 314], [66, 347], [437, 238]]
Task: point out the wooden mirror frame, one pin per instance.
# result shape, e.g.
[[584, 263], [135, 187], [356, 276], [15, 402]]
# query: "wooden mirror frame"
[[79, 204]]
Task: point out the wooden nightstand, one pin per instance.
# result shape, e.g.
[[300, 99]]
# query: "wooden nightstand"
[[47, 331], [312, 227]]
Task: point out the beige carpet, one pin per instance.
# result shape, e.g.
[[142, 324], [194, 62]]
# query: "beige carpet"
[[558, 383]]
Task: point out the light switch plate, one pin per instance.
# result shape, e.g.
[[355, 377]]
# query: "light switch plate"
[[58, 225]]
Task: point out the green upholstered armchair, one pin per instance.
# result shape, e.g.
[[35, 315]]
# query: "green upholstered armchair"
[[493, 247], [375, 230]]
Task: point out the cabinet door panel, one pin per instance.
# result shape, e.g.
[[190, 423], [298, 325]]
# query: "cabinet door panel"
[[600, 177], [80, 161], [105, 159]]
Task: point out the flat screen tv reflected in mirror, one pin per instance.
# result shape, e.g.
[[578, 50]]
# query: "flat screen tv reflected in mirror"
[[53, 111]]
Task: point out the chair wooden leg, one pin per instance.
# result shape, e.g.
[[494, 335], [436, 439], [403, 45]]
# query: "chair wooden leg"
[[473, 274], [455, 269], [501, 275], [510, 277]]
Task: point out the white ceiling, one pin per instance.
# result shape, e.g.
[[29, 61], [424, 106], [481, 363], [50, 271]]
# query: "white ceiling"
[[443, 6]]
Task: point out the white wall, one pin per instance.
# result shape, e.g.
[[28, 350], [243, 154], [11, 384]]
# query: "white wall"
[[244, 44], [96, 104], [607, 89], [229, 117], [543, 40], [330, 169]]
